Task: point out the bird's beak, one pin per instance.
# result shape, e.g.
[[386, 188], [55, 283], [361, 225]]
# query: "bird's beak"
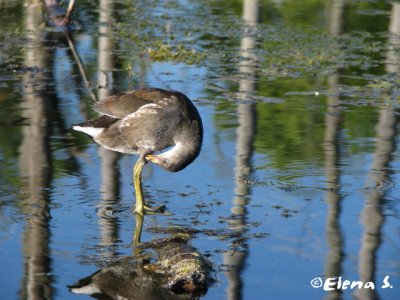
[[152, 158]]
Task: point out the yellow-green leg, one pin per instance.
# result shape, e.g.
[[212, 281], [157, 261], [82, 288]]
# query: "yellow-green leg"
[[140, 207], [137, 171]]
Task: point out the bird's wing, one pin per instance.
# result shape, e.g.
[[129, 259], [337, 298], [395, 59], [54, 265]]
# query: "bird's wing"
[[100, 122], [123, 104], [151, 127]]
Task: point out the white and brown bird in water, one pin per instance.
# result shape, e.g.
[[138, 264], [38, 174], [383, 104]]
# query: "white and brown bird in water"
[[144, 122]]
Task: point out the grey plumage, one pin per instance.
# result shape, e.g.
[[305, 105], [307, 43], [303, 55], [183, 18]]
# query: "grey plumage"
[[146, 121]]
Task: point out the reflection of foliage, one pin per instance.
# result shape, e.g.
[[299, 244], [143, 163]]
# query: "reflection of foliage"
[[289, 131], [10, 135], [299, 14], [205, 33], [291, 57], [367, 16]]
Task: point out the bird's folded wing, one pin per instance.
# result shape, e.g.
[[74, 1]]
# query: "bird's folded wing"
[[123, 104], [151, 127], [100, 122]]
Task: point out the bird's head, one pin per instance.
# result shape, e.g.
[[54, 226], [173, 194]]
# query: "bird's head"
[[155, 159], [165, 162], [187, 147], [175, 159]]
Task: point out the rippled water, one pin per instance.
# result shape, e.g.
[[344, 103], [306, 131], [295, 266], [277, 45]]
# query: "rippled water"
[[299, 170]]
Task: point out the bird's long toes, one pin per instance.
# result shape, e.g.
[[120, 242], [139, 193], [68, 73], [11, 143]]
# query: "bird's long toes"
[[160, 210]]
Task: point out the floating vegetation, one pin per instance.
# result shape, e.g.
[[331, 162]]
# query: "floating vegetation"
[[163, 52], [285, 212]]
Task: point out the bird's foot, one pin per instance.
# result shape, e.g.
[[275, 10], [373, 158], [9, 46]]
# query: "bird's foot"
[[155, 210], [148, 210]]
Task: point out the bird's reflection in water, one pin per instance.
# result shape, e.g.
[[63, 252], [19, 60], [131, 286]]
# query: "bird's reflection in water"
[[178, 272], [138, 229]]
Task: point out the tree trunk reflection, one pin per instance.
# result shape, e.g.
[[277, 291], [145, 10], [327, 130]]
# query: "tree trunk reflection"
[[332, 141], [110, 176], [35, 163], [379, 178], [235, 259]]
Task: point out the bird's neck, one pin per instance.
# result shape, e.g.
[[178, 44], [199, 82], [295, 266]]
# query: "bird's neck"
[[182, 154]]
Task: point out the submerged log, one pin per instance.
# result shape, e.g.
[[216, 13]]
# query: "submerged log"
[[178, 272]]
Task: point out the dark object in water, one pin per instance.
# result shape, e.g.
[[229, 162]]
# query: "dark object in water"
[[180, 272]]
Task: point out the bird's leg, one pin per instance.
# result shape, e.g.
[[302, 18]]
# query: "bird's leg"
[[140, 207], [137, 182]]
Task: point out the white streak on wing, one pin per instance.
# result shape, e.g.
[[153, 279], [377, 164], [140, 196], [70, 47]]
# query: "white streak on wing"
[[147, 109], [92, 131], [152, 108]]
